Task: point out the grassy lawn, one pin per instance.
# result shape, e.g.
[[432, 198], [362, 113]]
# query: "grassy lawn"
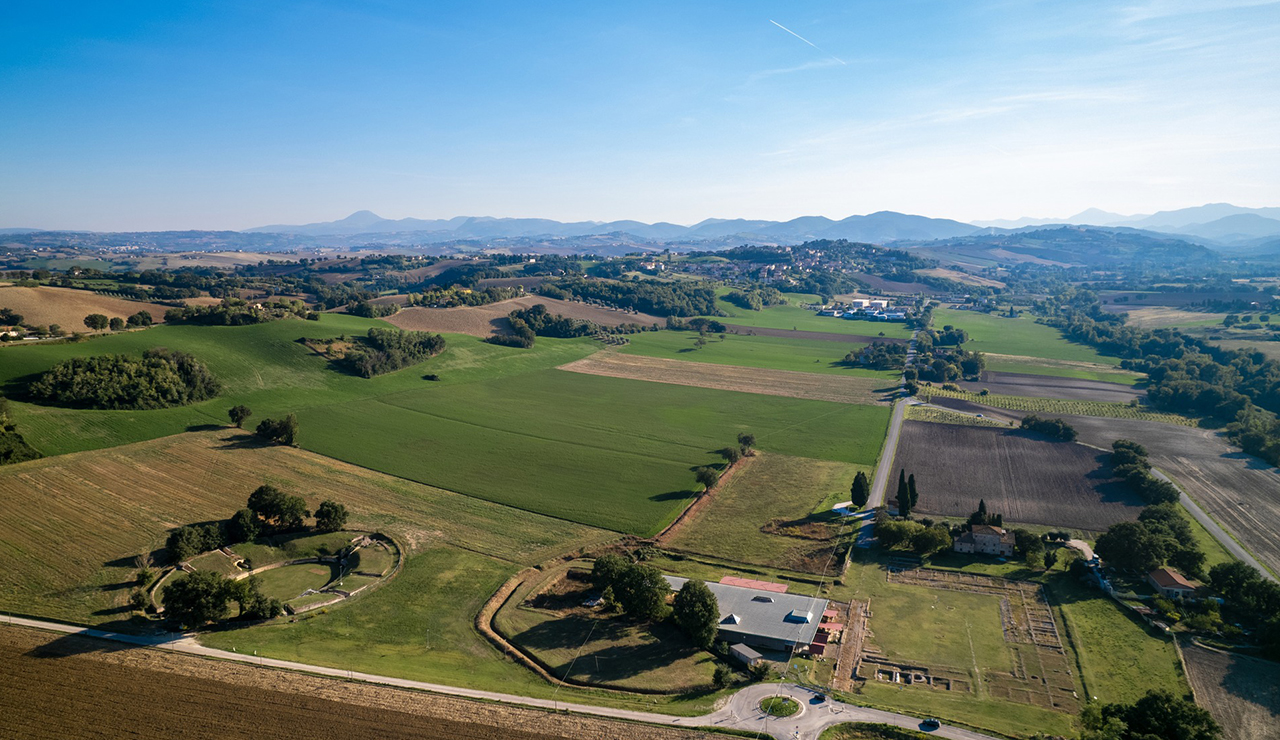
[[767, 487], [1061, 369], [374, 560], [791, 316], [775, 353], [290, 581], [420, 626], [274, 549], [1119, 658], [216, 562], [1022, 337]]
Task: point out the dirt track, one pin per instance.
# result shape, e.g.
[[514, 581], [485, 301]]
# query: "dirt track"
[[733, 378], [1027, 478], [484, 321], [59, 687], [822, 336], [1045, 386], [1242, 693]]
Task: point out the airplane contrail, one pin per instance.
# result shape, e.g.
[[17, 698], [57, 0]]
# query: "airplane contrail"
[[807, 41]]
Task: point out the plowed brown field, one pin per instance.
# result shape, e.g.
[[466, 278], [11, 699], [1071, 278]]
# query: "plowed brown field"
[[71, 687], [734, 378], [1026, 478], [1242, 693], [44, 305], [483, 321]]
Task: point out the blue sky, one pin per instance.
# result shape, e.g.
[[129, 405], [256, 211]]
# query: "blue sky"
[[228, 114]]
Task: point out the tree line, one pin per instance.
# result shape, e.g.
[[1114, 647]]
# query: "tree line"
[[238, 312], [161, 378], [1052, 428], [1129, 462], [100, 322], [692, 298]]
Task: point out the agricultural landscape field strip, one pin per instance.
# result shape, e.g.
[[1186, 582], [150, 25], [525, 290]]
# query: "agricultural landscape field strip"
[[1056, 406], [1021, 337], [1241, 692], [765, 381], [45, 305], [1241, 492], [820, 336], [483, 321], [304, 703], [1044, 386], [1025, 477], [1024, 365], [763, 351], [101, 509]]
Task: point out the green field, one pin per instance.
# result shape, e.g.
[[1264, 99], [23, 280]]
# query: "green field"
[[791, 316], [288, 582], [502, 424], [1022, 337], [775, 353], [768, 487], [1061, 369]]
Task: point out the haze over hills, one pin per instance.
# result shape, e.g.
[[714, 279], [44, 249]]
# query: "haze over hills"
[[1215, 223]]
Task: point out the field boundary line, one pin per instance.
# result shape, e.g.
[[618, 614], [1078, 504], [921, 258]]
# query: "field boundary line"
[[701, 502]]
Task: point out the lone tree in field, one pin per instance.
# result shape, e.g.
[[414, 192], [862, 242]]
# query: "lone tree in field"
[[696, 610], [747, 443], [238, 414], [280, 431], [860, 491], [707, 477], [331, 516], [97, 321], [904, 494]]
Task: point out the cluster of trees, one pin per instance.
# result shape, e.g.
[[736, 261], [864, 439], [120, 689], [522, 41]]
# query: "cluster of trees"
[[1157, 716], [1162, 535], [982, 516], [879, 356], [1251, 598], [923, 539], [13, 448], [267, 511], [527, 324], [161, 378], [946, 366], [756, 298], [699, 324], [637, 588], [100, 322], [205, 596], [907, 495], [237, 312], [691, 298], [1129, 461], [1052, 428], [371, 310], [278, 431], [453, 296], [387, 350], [950, 336]]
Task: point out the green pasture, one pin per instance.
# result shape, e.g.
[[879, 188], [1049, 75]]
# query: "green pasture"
[[774, 353], [290, 581], [1059, 369], [502, 424], [1021, 336]]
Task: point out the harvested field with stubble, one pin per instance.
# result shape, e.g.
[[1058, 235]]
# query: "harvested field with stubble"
[[484, 321], [1047, 386], [1025, 477], [787, 383], [73, 687], [1242, 693], [1240, 491], [98, 510], [44, 305], [823, 336]]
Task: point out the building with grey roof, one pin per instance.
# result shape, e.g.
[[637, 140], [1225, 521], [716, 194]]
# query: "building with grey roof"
[[770, 620]]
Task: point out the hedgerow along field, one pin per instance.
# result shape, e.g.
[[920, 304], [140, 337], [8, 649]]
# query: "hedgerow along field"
[[500, 424], [774, 353]]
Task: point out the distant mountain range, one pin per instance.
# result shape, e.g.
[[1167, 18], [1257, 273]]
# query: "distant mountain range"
[[1217, 224], [876, 227]]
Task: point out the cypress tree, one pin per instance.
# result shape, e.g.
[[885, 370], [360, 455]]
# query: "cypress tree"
[[860, 491]]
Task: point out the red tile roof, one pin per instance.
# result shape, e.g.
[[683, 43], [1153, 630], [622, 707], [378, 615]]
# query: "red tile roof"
[[1166, 578]]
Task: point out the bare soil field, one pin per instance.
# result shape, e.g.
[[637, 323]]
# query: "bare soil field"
[[99, 510], [1025, 477], [822, 336], [484, 321], [1242, 693], [1240, 491], [960, 277], [788, 383], [60, 687], [1046, 386], [46, 305]]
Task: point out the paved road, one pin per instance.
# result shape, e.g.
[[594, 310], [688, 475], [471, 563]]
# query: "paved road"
[[742, 712], [883, 470], [1214, 528]]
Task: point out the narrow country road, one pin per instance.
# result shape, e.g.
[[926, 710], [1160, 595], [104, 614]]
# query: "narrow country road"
[[742, 712], [885, 467]]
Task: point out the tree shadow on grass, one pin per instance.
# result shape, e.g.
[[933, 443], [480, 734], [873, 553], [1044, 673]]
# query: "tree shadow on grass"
[[205, 427], [629, 649], [672, 495], [244, 441]]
